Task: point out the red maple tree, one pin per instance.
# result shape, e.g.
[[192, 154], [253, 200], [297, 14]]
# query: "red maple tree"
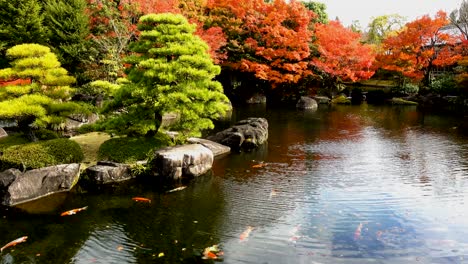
[[342, 56], [420, 47], [270, 40]]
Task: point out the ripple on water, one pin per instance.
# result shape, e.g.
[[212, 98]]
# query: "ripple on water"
[[107, 244]]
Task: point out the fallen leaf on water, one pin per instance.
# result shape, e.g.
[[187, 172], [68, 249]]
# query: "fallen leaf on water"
[[212, 252], [160, 255], [120, 248]]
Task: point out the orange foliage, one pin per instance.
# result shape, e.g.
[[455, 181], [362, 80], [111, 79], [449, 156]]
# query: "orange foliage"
[[341, 53], [267, 39], [420, 46]]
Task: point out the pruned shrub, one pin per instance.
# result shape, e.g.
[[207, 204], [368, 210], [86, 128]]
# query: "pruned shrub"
[[41, 154]]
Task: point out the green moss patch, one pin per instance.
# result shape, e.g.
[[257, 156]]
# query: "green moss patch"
[[341, 100], [40, 154], [132, 149], [399, 101], [90, 143]]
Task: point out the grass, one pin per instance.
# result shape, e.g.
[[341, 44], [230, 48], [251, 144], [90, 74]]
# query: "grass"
[[90, 143], [132, 149]]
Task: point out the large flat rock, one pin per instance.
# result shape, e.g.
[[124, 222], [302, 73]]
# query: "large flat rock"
[[182, 161], [216, 148], [17, 187]]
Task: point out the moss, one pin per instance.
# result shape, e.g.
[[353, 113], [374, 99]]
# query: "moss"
[[399, 101], [132, 149], [40, 154], [90, 144], [341, 100], [11, 140]]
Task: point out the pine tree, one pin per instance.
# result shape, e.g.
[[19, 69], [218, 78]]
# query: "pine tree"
[[171, 71], [68, 27], [41, 102], [20, 22]]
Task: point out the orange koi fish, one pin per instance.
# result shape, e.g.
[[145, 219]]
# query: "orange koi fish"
[[141, 199], [246, 233], [14, 243], [212, 252], [74, 211], [357, 233], [260, 165]]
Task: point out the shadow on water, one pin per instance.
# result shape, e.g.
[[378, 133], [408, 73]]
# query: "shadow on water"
[[343, 184]]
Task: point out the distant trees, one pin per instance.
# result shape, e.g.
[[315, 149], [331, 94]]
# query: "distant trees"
[[42, 101], [420, 47], [342, 56], [384, 26], [170, 71]]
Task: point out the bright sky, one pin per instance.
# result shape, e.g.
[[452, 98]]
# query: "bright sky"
[[363, 10]]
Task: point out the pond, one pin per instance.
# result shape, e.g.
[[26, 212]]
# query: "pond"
[[347, 184]]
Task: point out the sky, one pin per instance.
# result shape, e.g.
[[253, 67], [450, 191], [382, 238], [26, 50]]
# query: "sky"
[[364, 10]]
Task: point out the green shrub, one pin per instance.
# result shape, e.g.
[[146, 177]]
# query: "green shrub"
[[445, 85], [132, 149], [341, 99], [41, 154], [44, 134]]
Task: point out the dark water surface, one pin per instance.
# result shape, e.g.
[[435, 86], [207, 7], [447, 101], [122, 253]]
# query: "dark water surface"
[[350, 184]]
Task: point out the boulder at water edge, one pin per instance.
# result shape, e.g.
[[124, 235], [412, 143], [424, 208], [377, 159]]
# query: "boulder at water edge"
[[306, 103], [17, 187], [216, 148], [246, 134], [105, 172], [3, 133], [182, 161]]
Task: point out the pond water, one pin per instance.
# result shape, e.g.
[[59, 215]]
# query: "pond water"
[[348, 184]]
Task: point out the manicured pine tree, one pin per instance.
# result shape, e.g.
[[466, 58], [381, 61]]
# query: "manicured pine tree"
[[171, 71], [42, 102]]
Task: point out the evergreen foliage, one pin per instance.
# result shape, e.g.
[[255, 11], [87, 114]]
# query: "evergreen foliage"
[[42, 102], [171, 71], [68, 28], [20, 22]]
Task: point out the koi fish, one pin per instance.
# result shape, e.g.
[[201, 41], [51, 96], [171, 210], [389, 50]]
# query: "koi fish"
[[212, 252], [294, 236], [273, 193], [260, 165], [357, 233], [14, 243], [246, 233], [74, 211], [141, 199], [177, 189]]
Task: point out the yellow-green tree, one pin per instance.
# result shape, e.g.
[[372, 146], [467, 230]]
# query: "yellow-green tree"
[[43, 100], [171, 71]]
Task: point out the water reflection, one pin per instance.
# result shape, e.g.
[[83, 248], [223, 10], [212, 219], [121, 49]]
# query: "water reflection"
[[351, 184]]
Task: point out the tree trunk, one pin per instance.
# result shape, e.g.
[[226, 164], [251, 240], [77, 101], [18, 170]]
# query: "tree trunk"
[[25, 126]]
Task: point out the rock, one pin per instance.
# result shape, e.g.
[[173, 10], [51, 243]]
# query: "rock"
[[181, 161], [216, 148], [3, 133], [17, 187], [246, 134], [105, 172], [257, 99], [322, 99], [306, 103]]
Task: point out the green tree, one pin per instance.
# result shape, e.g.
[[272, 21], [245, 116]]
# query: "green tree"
[[171, 71], [68, 28], [42, 102], [382, 27], [319, 9], [20, 22]]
